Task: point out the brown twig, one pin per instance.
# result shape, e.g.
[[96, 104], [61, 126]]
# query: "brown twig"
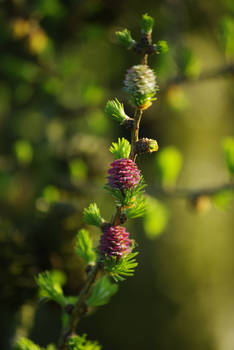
[[185, 193], [78, 310], [116, 218], [211, 74]]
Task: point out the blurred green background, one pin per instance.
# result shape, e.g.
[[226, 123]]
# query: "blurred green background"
[[59, 64]]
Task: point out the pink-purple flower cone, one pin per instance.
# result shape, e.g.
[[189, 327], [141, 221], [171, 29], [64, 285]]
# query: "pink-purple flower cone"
[[123, 174], [115, 242]]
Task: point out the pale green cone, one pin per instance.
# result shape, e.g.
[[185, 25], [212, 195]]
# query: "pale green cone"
[[140, 83]]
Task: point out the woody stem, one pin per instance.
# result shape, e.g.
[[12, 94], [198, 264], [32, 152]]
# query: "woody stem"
[[135, 134]]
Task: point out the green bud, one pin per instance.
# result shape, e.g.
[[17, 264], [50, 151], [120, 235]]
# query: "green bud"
[[26, 344], [92, 215], [115, 110], [120, 149], [125, 39], [23, 151], [147, 23], [146, 145], [50, 284], [79, 342], [156, 218], [228, 147], [223, 198], [188, 63], [169, 162], [84, 247], [162, 46]]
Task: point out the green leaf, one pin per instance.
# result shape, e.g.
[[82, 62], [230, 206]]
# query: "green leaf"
[[115, 110], [51, 347], [177, 99], [122, 268], [78, 169], [84, 246], [71, 299], [92, 215], [126, 197], [223, 199], [78, 342], [19, 69], [51, 194], [188, 63], [120, 149], [227, 34], [23, 151], [102, 291], [26, 344], [65, 318], [228, 147], [52, 8], [168, 164], [147, 23], [50, 283], [138, 209], [156, 218], [125, 38], [162, 46]]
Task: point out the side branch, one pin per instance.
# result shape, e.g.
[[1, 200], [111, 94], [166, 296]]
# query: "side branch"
[[79, 308], [223, 71], [188, 193]]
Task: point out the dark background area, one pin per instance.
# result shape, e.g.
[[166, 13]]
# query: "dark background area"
[[59, 64]]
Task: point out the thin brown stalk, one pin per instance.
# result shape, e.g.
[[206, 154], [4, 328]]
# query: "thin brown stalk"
[[135, 134], [78, 310]]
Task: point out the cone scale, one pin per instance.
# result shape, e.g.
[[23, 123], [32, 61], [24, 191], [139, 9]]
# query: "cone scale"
[[115, 242], [140, 83], [123, 174]]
